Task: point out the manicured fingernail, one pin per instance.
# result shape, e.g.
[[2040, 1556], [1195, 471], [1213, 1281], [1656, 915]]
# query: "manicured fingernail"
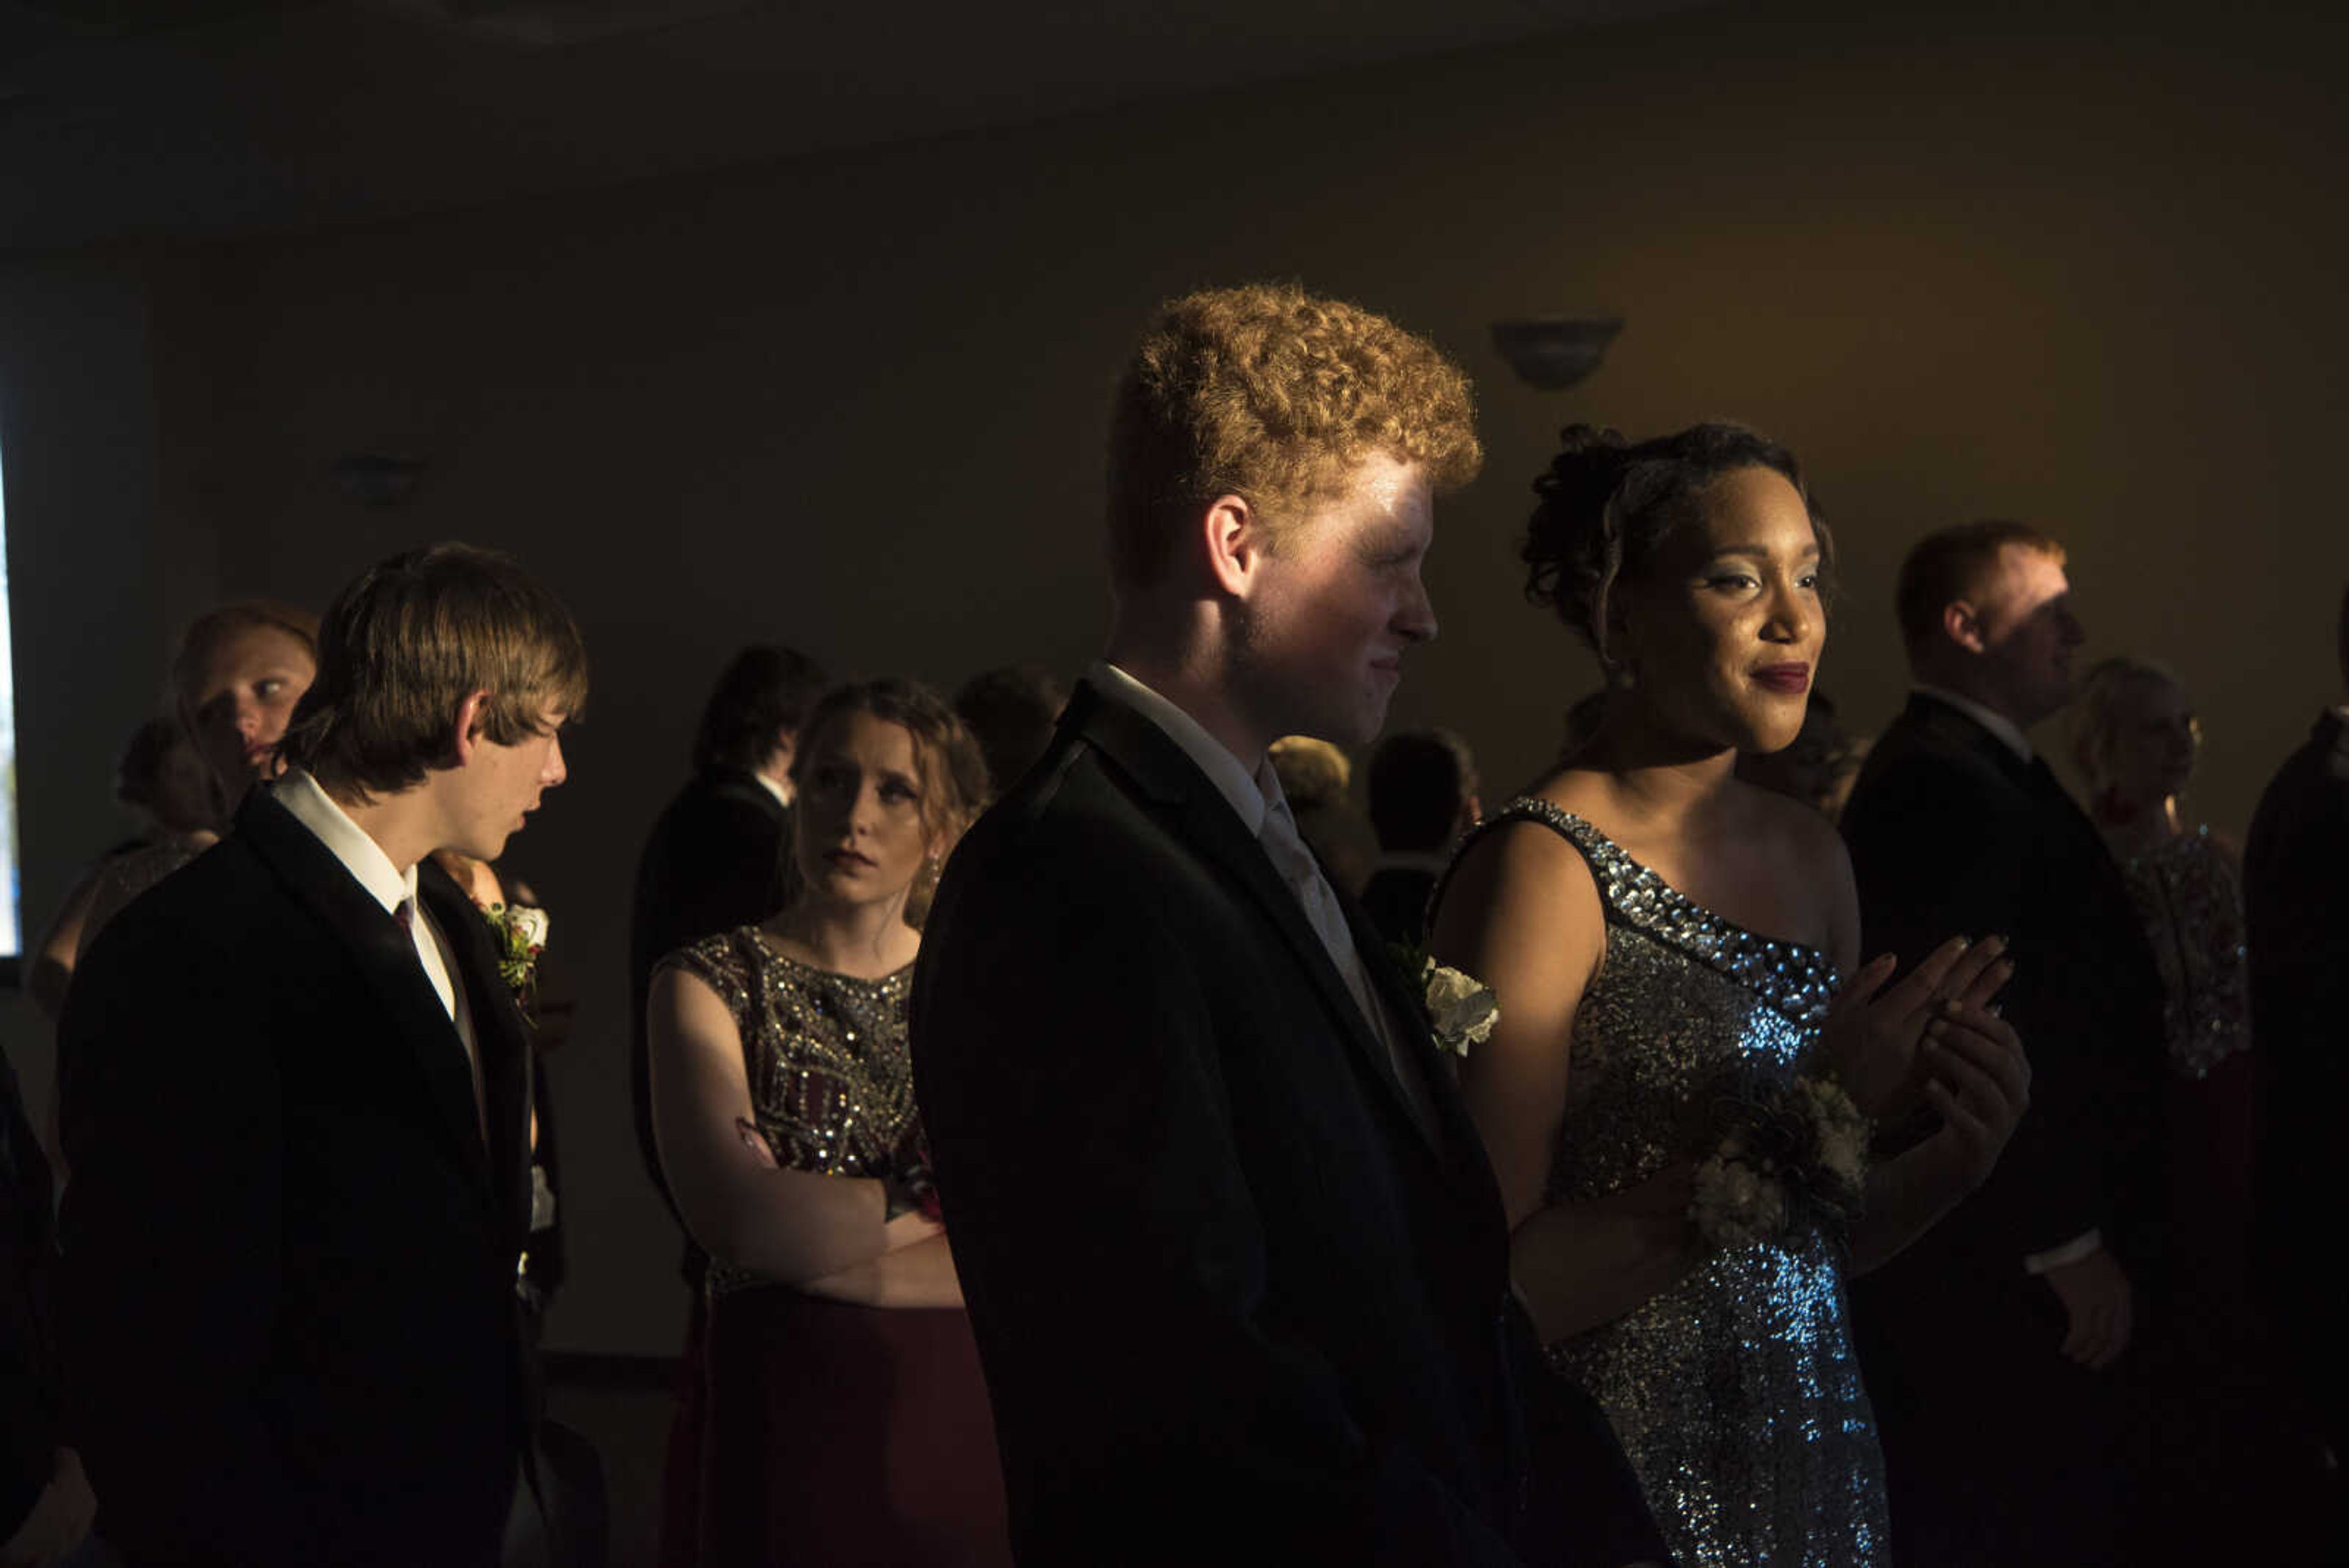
[[1953, 1007]]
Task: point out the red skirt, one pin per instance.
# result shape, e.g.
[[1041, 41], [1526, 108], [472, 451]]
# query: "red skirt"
[[844, 1435]]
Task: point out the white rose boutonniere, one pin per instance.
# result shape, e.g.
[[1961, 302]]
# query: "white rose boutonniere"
[[1460, 1009], [519, 932], [529, 924]]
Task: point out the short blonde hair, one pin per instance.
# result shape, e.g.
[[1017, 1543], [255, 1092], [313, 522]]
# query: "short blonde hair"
[[1311, 771], [1955, 564], [2097, 711], [1274, 395]]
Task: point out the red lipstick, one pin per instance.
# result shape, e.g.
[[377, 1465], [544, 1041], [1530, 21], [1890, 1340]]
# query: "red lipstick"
[[1792, 678]]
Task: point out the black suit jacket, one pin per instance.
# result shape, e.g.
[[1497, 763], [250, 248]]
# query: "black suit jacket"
[[2296, 898], [716, 860], [1951, 834], [1232, 1302], [1396, 900], [32, 1417], [289, 1312]]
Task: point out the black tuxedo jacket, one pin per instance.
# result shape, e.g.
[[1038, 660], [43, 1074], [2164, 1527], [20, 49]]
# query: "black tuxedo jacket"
[[1396, 902], [32, 1422], [1951, 834], [716, 860], [289, 1312], [1232, 1302], [2296, 896]]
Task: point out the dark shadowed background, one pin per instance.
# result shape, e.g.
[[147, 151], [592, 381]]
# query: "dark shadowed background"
[[757, 326]]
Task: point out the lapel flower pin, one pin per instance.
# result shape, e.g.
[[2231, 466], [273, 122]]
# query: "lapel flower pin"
[[1460, 1009]]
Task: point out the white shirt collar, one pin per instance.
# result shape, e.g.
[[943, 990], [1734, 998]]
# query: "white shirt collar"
[[2008, 731], [361, 855], [783, 797], [1251, 792]]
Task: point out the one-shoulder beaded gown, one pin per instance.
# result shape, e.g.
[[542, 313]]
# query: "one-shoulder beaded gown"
[[1734, 1391]]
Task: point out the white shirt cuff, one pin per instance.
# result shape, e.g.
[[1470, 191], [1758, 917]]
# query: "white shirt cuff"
[[2071, 1251]]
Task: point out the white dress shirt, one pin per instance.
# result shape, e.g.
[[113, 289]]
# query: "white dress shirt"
[[369, 867], [1256, 795]]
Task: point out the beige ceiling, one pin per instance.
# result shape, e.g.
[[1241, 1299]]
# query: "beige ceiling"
[[122, 117]]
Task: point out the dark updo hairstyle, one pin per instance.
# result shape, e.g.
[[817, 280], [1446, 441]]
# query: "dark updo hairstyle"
[[1609, 505]]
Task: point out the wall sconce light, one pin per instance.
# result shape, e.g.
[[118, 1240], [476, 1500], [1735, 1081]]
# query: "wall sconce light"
[[377, 478], [1554, 352]]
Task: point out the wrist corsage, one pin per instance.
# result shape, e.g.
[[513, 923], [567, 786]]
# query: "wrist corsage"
[[1459, 1009], [1800, 1149]]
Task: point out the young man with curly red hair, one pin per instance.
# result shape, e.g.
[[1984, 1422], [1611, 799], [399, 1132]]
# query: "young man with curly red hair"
[[1232, 1252]]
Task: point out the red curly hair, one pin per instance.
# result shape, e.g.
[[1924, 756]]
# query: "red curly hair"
[[1274, 395]]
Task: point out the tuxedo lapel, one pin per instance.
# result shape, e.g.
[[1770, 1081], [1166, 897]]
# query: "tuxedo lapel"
[[385, 956], [500, 1035], [1204, 821], [1461, 1140]]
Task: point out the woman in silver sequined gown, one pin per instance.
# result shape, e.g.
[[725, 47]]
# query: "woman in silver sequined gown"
[[1665, 944], [840, 1411]]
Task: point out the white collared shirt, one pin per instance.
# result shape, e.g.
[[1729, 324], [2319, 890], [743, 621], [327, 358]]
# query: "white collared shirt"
[[1249, 789], [2008, 731], [783, 797], [388, 886]]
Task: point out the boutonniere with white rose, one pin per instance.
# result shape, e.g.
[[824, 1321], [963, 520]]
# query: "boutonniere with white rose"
[[1460, 1009], [521, 933]]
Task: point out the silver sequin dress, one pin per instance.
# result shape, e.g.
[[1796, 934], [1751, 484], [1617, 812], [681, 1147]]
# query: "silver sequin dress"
[[1735, 1392]]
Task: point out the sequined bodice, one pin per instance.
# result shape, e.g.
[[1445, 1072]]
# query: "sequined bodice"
[[831, 1081], [1734, 1391], [2190, 902]]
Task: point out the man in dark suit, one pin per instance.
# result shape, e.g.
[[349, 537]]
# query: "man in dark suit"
[[1231, 1248], [1422, 799], [1989, 1345], [718, 855], [2296, 896], [298, 1117]]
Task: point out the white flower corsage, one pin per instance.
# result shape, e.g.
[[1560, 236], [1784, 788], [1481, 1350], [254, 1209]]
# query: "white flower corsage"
[[1461, 1010], [1803, 1147]]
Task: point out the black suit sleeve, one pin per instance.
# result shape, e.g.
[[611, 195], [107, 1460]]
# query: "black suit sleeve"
[[29, 1428], [1936, 855], [1152, 1408], [171, 1228]]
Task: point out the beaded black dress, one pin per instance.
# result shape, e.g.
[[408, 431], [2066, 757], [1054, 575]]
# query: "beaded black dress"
[[1734, 1391], [835, 1433]]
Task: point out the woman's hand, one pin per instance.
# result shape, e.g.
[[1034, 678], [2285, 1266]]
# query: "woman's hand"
[[1978, 1080], [1973, 1076], [1872, 1034]]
